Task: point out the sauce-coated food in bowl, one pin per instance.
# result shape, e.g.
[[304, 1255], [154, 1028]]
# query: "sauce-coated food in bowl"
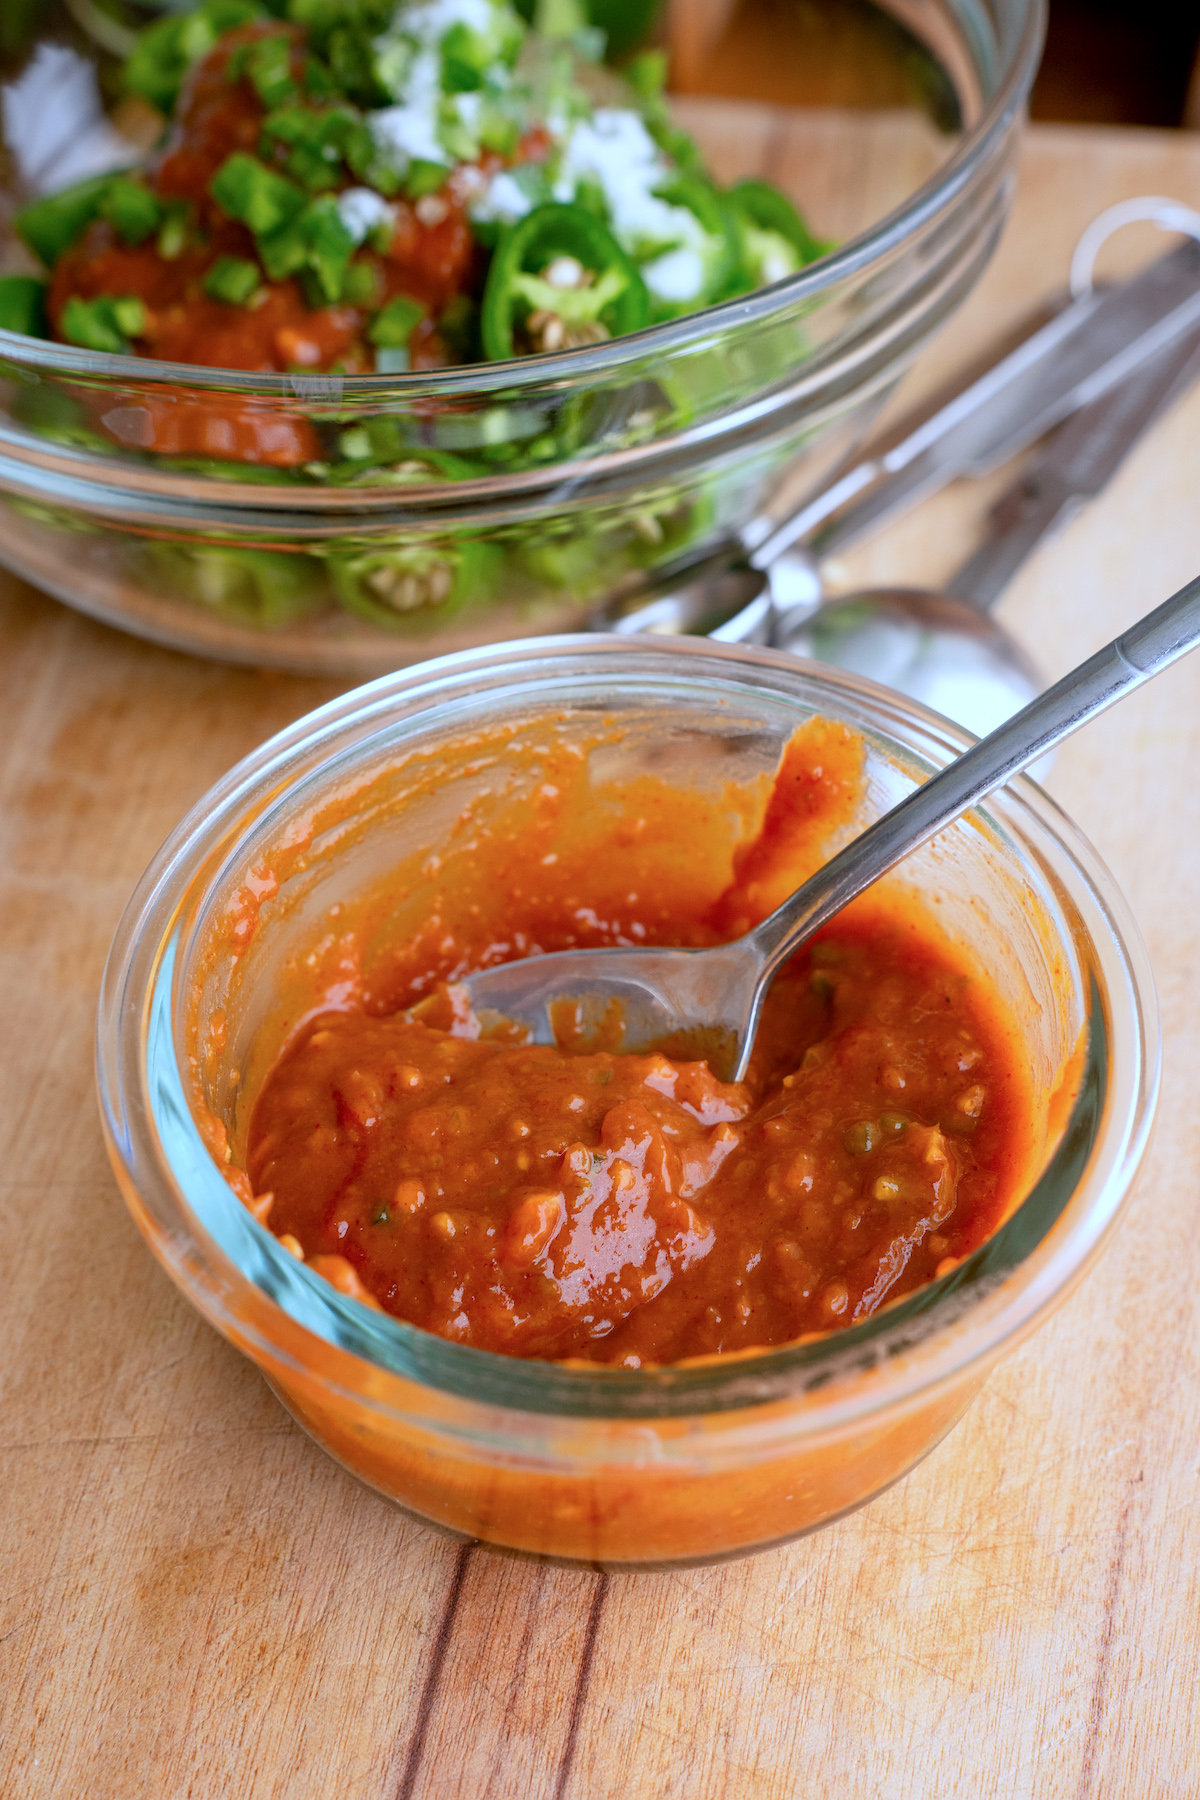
[[483, 336], [401, 184], [578, 1203], [495, 803]]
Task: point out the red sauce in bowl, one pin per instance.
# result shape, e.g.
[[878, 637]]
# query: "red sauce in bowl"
[[577, 1203]]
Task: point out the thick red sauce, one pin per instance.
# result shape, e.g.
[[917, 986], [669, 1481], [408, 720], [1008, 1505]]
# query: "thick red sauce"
[[632, 1209]]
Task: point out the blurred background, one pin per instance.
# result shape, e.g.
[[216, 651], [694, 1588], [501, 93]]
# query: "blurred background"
[[1119, 62]]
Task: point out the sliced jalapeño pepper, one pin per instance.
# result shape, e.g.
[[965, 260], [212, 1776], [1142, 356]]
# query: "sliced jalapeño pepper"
[[412, 587], [775, 240], [266, 589], [719, 270], [23, 305], [377, 455], [559, 279]]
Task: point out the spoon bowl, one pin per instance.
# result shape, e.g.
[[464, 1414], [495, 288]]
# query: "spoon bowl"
[[933, 647]]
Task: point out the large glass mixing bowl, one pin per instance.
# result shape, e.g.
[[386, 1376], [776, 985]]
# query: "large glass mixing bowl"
[[573, 472]]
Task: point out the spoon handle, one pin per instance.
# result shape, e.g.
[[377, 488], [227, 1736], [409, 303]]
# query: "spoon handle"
[[1076, 463], [1147, 648]]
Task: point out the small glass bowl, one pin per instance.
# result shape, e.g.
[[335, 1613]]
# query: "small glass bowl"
[[618, 1467], [564, 477]]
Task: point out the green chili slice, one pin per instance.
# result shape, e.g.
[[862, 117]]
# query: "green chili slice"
[[721, 260], [233, 279], [413, 586], [377, 455], [23, 305], [51, 226], [105, 323], [131, 209], [317, 244], [166, 51], [256, 195], [771, 228], [267, 589], [559, 279]]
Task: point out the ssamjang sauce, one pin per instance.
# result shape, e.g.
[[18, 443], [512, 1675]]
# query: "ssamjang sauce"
[[559, 1203]]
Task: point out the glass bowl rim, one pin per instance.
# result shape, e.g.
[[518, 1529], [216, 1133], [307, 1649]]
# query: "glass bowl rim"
[[1027, 21], [920, 1335]]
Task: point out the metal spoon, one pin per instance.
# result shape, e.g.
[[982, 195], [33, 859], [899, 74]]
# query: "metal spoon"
[[712, 998]]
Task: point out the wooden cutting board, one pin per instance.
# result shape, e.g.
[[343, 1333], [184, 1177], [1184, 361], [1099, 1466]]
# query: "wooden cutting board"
[[195, 1602]]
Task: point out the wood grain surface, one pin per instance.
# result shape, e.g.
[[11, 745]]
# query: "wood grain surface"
[[195, 1602]]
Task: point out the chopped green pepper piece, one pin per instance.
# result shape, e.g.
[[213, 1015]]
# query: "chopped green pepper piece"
[[647, 73], [256, 195], [562, 19], [317, 244], [317, 142], [467, 53], [233, 279], [351, 57], [393, 327], [325, 17], [330, 245], [131, 209], [105, 323], [268, 66], [318, 82], [292, 125], [166, 51], [562, 269], [307, 164], [173, 233], [283, 252], [424, 178], [363, 284], [51, 226], [23, 305]]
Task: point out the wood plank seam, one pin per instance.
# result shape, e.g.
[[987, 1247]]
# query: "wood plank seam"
[[441, 1644], [1107, 1633], [579, 1698]]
